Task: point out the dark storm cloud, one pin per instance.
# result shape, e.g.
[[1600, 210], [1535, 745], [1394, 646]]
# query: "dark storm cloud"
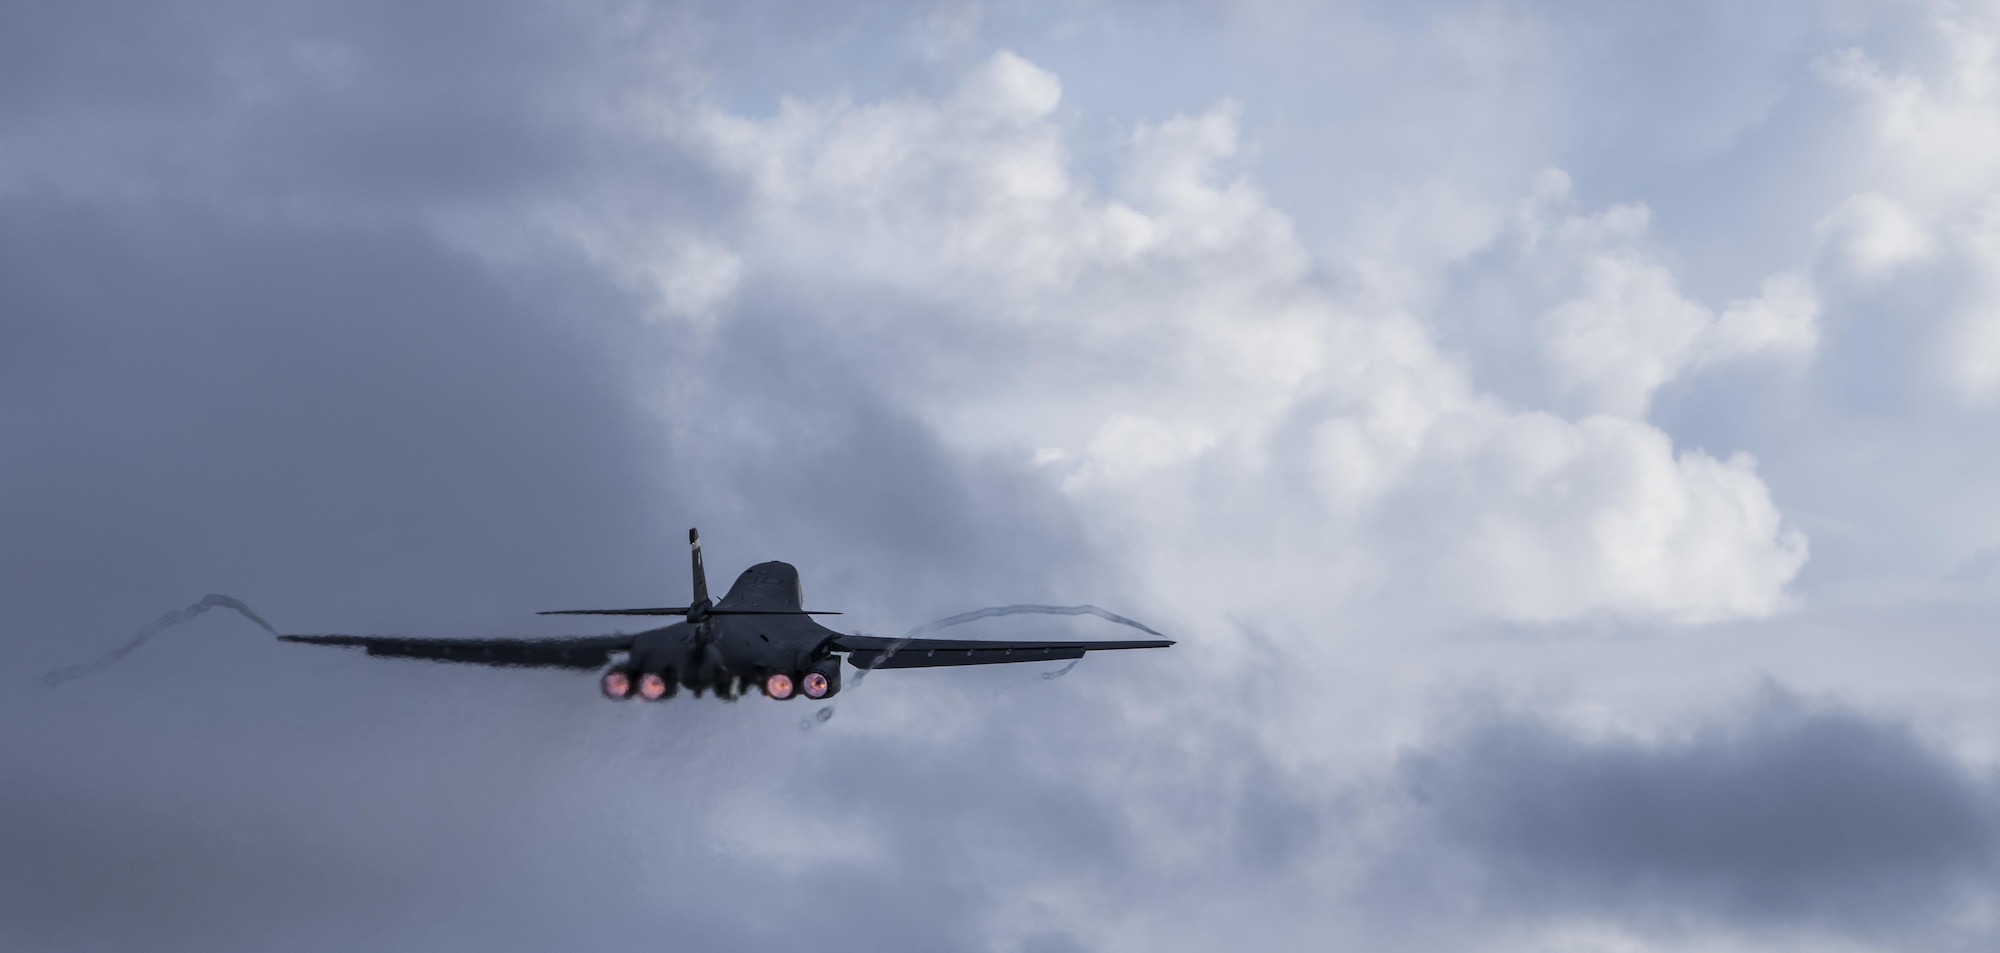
[[238, 353], [298, 104], [299, 404], [234, 355], [76, 859], [346, 426], [1034, 787], [1787, 814]]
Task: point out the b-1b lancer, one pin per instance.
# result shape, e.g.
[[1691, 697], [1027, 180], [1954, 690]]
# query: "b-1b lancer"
[[759, 634]]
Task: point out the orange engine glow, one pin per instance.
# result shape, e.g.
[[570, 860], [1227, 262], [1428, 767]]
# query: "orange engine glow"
[[778, 686], [816, 685], [652, 686], [617, 684]]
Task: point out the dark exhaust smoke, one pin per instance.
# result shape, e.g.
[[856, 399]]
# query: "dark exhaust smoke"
[[146, 634]]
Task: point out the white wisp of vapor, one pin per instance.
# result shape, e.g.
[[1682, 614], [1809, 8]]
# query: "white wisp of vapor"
[[826, 711], [178, 616]]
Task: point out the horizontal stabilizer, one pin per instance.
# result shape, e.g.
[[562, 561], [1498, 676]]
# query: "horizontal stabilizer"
[[683, 610]]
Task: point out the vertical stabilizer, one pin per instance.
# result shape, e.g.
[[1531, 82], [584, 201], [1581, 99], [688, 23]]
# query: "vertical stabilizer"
[[700, 577]]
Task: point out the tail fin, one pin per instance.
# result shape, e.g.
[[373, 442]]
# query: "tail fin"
[[699, 608], [700, 577]]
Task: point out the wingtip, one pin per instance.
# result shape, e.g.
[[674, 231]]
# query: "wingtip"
[[341, 640]]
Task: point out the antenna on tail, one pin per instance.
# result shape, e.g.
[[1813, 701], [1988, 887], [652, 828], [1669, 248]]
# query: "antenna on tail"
[[700, 576]]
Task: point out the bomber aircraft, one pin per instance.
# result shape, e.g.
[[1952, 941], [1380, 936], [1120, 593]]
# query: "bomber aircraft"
[[759, 634]]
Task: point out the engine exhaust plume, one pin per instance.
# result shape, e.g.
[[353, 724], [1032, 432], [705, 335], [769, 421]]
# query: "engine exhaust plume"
[[144, 635]]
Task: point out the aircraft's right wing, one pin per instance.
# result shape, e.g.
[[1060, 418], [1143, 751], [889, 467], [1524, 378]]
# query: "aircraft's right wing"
[[872, 652], [584, 652]]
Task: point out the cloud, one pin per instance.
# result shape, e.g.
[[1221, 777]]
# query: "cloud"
[[1137, 335], [1934, 139], [1783, 815], [1572, 311], [1874, 235], [415, 319]]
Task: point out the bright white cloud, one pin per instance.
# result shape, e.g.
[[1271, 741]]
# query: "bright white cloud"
[[1127, 447], [1873, 235], [1622, 328], [1533, 518], [1972, 342], [1934, 182], [1938, 135], [1132, 337]]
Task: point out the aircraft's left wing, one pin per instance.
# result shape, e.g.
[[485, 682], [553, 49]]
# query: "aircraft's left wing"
[[585, 652], [871, 652]]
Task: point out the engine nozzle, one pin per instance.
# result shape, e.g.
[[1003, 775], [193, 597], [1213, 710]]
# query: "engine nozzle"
[[822, 680], [654, 686], [617, 684], [779, 686]]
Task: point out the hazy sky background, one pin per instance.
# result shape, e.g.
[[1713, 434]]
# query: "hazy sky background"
[[1562, 437]]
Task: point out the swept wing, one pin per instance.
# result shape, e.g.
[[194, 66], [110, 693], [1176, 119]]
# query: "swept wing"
[[585, 652], [872, 652]]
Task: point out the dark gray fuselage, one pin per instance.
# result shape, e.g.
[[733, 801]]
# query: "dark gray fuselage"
[[696, 654]]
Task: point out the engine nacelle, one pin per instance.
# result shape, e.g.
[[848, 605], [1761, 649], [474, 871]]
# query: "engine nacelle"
[[822, 680]]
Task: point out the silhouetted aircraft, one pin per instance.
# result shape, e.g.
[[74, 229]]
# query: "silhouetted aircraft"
[[759, 634]]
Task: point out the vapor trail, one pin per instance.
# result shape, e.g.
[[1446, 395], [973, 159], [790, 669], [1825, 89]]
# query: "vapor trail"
[[1021, 609], [1027, 609], [210, 601], [1058, 673], [987, 613]]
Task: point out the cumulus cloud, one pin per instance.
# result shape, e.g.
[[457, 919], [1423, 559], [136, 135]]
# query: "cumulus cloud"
[[1874, 235], [1532, 518], [1605, 320], [1934, 135], [1938, 133], [1128, 336]]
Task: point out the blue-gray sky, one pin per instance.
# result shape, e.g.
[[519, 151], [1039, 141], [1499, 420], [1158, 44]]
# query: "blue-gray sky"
[[1560, 435]]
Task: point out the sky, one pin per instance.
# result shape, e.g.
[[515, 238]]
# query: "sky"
[[1561, 438]]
